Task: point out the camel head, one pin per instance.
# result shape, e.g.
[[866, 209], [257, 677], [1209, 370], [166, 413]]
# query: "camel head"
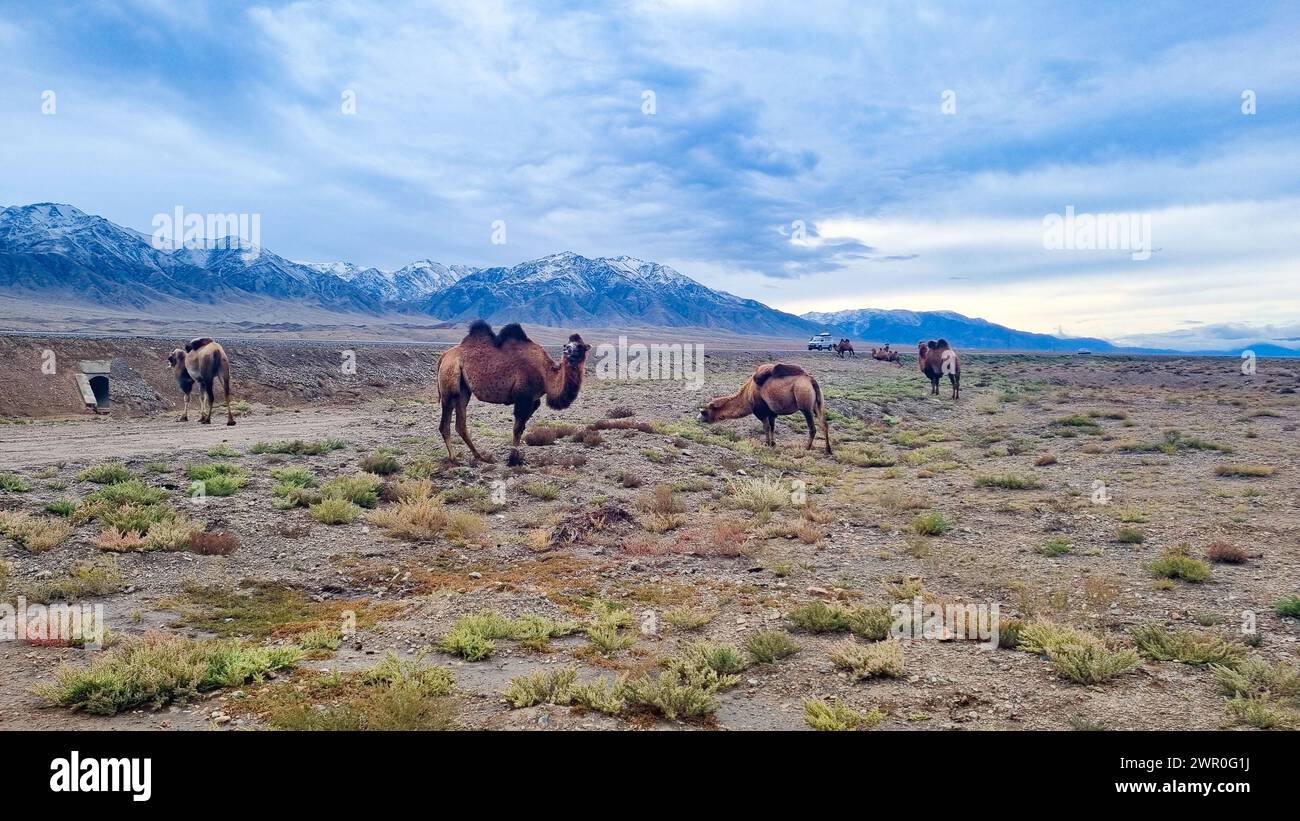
[[176, 357], [575, 351], [921, 348], [712, 412]]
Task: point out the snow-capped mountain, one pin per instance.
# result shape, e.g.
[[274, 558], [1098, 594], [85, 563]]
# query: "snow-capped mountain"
[[407, 284], [55, 250], [903, 329], [569, 289]]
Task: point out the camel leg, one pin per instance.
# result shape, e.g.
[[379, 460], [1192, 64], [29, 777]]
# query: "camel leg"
[[444, 425], [205, 400], [956, 382], [770, 424], [524, 409], [225, 387], [185, 414], [462, 413], [812, 428]]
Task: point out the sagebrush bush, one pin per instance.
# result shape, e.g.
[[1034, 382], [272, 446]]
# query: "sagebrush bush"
[[334, 511], [768, 646], [157, 670], [13, 483], [931, 524], [35, 534], [758, 494], [833, 716], [1187, 646], [542, 687], [863, 661], [1176, 564], [362, 489]]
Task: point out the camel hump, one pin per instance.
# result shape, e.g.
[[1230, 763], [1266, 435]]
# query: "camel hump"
[[513, 331], [942, 343], [480, 330], [776, 370], [198, 342]]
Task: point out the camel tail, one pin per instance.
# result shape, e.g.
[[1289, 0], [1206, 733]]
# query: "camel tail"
[[821, 413]]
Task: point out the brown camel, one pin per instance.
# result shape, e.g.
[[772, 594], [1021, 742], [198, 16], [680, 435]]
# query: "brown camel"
[[885, 355], [936, 359], [202, 361], [775, 389], [842, 347], [505, 368]]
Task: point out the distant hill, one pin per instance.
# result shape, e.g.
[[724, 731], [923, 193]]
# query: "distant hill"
[[903, 329], [568, 289], [56, 254]]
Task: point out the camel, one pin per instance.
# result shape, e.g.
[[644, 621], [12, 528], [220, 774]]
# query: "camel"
[[842, 347], [886, 355], [505, 368], [202, 361], [936, 359], [775, 389]]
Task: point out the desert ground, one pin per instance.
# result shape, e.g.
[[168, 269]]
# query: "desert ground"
[[1128, 516]]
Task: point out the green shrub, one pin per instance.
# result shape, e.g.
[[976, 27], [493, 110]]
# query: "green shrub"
[[1176, 564], [931, 524], [381, 464], [1288, 607], [298, 447], [157, 670], [863, 661], [833, 716], [334, 512], [542, 687], [13, 483], [360, 490], [1055, 547], [1186, 646], [768, 646]]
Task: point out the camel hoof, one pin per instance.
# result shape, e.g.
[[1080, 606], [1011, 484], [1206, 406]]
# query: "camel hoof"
[[183, 419], [230, 422]]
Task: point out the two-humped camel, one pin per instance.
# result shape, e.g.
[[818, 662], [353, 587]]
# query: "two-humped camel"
[[505, 368], [202, 361], [775, 389], [936, 359]]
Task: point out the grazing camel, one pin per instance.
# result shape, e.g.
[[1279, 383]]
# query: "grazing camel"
[[202, 361], [505, 368], [775, 389], [936, 359], [842, 347]]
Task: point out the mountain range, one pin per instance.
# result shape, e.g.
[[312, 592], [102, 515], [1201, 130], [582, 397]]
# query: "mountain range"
[[57, 254]]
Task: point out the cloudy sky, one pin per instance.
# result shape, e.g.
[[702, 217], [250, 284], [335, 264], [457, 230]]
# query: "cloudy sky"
[[815, 156]]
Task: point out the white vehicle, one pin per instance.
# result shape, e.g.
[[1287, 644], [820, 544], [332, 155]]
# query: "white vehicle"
[[821, 342]]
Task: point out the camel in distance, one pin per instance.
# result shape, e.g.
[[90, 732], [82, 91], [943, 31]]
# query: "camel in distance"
[[936, 359], [885, 355], [775, 389], [202, 361], [505, 368], [842, 347]]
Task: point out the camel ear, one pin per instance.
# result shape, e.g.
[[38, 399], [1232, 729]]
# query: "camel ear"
[[575, 338]]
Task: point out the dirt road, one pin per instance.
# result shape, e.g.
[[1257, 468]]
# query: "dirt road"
[[104, 438]]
